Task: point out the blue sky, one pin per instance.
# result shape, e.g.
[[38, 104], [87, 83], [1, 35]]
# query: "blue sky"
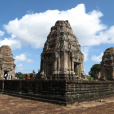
[[25, 25]]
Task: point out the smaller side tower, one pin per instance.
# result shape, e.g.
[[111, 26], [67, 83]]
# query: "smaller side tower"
[[6, 61], [107, 65]]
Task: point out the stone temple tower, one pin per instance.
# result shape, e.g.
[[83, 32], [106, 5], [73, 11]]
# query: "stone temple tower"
[[6, 62], [61, 57], [107, 65]]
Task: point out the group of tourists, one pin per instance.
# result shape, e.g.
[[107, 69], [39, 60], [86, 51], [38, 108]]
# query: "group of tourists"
[[6, 76]]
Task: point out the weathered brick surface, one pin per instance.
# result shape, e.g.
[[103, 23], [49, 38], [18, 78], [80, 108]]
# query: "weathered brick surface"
[[62, 57], [87, 90], [107, 65], [6, 62]]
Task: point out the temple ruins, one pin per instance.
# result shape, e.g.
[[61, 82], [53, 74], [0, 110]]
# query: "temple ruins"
[[62, 57], [107, 65], [6, 61]]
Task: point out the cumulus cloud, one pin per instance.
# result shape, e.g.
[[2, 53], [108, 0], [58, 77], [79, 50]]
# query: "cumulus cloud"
[[29, 61], [106, 36], [97, 58], [13, 43], [20, 65], [33, 29], [1, 33], [85, 51], [21, 57]]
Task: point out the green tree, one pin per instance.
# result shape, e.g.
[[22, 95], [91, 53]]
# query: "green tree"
[[90, 78], [94, 70], [20, 75]]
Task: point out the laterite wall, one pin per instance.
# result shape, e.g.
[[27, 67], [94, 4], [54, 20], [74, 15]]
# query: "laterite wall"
[[59, 91], [88, 90]]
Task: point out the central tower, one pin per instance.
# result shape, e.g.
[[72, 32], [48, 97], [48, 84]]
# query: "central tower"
[[61, 57]]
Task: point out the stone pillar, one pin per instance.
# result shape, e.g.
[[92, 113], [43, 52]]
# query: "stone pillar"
[[64, 67], [113, 74], [104, 75], [45, 69], [83, 65], [64, 60], [73, 74], [55, 65], [59, 66], [2, 85], [69, 65], [55, 69], [79, 69], [72, 64]]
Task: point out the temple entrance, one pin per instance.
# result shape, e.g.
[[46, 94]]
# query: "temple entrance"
[[50, 69], [108, 75], [75, 68], [5, 72]]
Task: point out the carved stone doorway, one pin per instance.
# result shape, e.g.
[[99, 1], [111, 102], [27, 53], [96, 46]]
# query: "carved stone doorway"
[[50, 69], [75, 68], [5, 72], [108, 75]]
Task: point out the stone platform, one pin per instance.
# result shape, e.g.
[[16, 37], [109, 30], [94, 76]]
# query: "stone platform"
[[58, 91]]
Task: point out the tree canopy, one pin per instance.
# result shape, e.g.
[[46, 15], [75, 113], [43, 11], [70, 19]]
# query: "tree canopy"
[[94, 70], [20, 75], [90, 78]]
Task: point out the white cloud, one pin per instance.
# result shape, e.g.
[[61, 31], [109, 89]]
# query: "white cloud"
[[97, 58], [85, 51], [2, 33], [21, 57], [33, 29], [106, 36], [13, 43], [20, 65], [29, 61]]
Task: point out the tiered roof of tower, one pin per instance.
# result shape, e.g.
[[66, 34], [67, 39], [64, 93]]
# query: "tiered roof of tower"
[[61, 38]]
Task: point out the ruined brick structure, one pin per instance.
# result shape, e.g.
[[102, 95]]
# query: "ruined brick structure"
[[6, 61], [61, 57], [107, 65]]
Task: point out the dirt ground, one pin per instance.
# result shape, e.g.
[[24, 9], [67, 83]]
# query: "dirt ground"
[[15, 105]]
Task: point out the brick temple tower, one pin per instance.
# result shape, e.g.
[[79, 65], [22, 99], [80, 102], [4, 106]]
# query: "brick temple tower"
[[6, 61], [61, 57], [107, 65]]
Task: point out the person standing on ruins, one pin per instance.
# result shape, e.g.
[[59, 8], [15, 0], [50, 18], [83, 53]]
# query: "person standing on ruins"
[[5, 76]]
